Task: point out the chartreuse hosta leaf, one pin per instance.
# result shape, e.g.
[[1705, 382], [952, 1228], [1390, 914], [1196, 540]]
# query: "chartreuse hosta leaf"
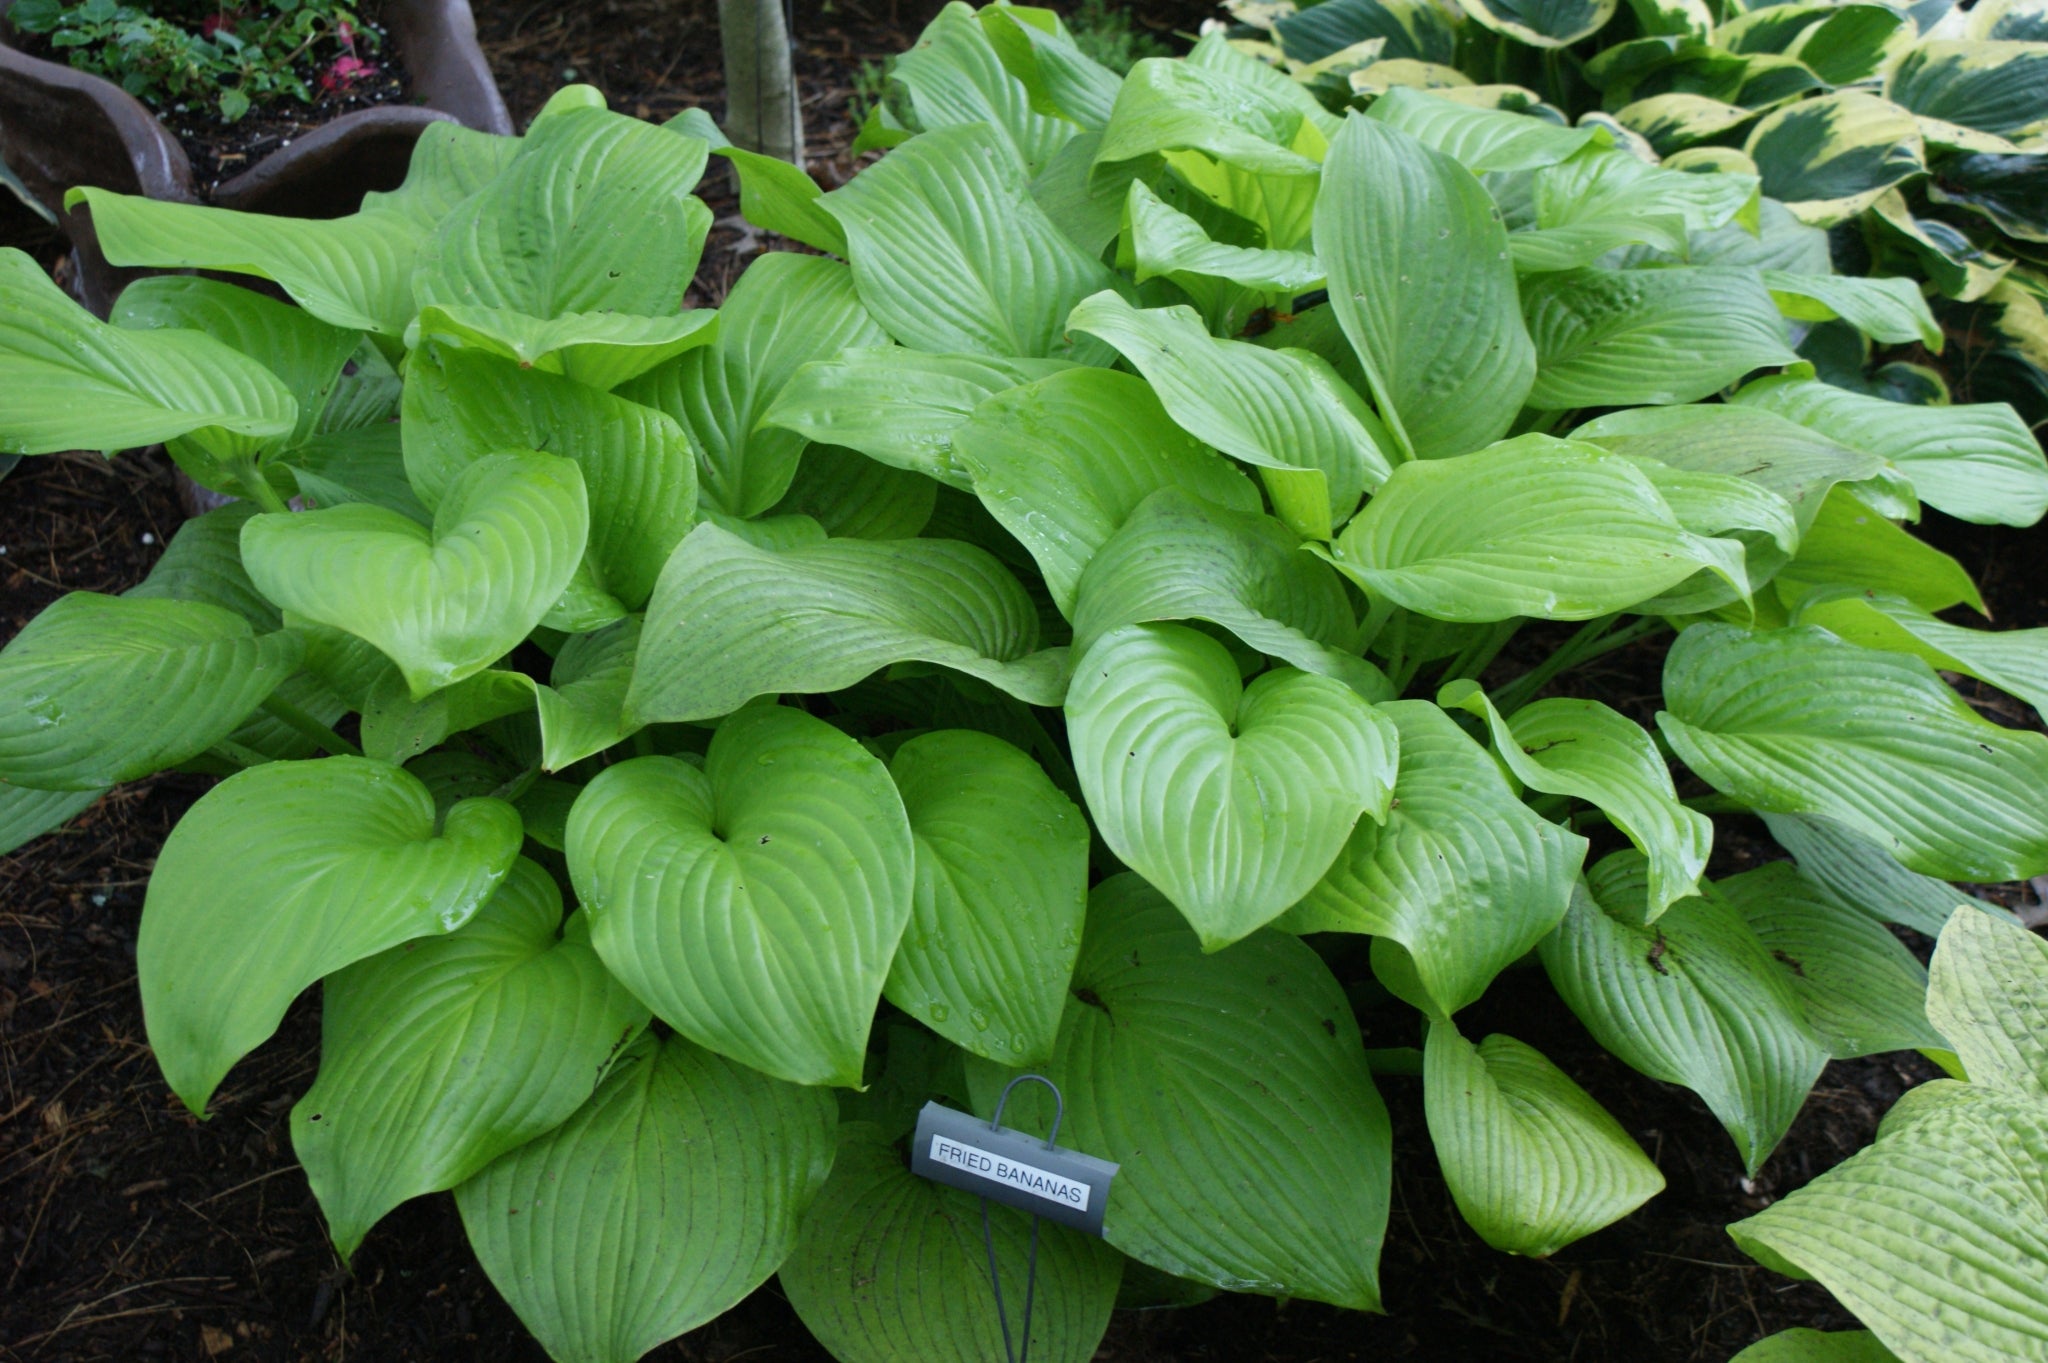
[[1480, 140], [1591, 204], [1934, 1235], [1850, 545], [1991, 86], [897, 406], [1978, 462], [1460, 881], [755, 904], [731, 620], [2015, 661], [784, 312], [1532, 1161], [1861, 873], [26, 814], [891, 1268], [1167, 242], [950, 252], [1889, 310], [1693, 999], [1179, 557], [1829, 158], [501, 1029], [443, 602], [1233, 800], [1421, 281], [1861, 991], [1002, 887], [638, 469], [1182, 1066], [1064, 461], [1583, 749], [1284, 410], [575, 258], [353, 271], [75, 382], [1796, 721], [287, 872], [1167, 105], [851, 495], [1817, 1346], [673, 1193], [779, 197], [955, 75], [102, 689], [1556, 529], [1613, 337]]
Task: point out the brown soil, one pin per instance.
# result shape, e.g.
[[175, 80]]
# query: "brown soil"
[[128, 1229]]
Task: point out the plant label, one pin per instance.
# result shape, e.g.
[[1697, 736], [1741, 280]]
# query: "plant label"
[[1015, 1168]]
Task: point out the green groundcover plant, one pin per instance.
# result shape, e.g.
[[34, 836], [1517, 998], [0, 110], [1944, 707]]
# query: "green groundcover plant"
[[1042, 630]]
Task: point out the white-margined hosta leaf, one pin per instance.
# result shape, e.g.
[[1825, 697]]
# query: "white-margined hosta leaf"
[[1676, 120], [673, 1193], [1543, 23], [1796, 721], [287, 872], [1828, 159], [1233, 800], [1416, 30], [1460, 880], [1693, 999], [1581, 748], [1861, 991], [784, 312], [439, 1056], [443, 603], [1978, 461], [1608, 338], [731, 621], [1420, 280], [74, 382], [755, 904], [891, 1268], [1992, 86], [2015, 661], [950, 252], [1532, 1161], [1480, 140], [102, 689], [1536, 526], [1183, 1064], [638, 469], [1179, 557], [1002, 888], [1063, 462]]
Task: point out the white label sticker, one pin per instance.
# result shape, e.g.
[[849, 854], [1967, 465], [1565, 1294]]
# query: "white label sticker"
[[1035, 1181]]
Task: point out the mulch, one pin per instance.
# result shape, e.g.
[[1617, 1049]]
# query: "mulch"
[[130, 1229]]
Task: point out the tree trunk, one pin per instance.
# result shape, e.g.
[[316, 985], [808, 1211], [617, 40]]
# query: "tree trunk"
[[761, 109]]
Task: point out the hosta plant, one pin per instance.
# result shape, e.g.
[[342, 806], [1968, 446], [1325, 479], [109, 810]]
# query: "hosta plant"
[[1061, 625]]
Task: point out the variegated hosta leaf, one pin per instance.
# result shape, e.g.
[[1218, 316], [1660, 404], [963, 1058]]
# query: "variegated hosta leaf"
[[1420, 280], [443, 602], [1002, 888], [730, 621], [1480, 140], [1460, 880], [950, 252], [1796, 721], [1233, 800], [891, 1268], [1532, 1161], [287, 872], [1583, 749], [1193, 1063], [673, 1193], [439, 1056], [1676, 120], [1064, 461], [1694, 999], [102, 689], [1533, 526], [1182, 558], [1417, 30], [755, 904], [2001, 187], [1542, 23], [1828, 159], [1861, 991], [1992, 86]]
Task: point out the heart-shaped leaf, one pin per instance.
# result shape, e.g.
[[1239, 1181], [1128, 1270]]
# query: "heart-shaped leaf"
[[102, 689], [1460, 881], [1002, 888], [439, 1056], [1233, 800], [1532, 1161], [1827, 159], [891, 1268], [443, 603], [1193, 1065], [755, 904], [731, 621], [673, 1193], [1544, 23], [288, 872]]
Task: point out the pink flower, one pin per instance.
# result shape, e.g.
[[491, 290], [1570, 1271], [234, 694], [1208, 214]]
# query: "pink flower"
[[344, 73]]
